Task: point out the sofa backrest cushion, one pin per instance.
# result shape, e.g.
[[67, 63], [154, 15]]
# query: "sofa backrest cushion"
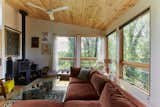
[[117, 98], [92, 72], [112, 97], [74, 71], [121, 102], [98, 82], [105, 97], [84, 74]]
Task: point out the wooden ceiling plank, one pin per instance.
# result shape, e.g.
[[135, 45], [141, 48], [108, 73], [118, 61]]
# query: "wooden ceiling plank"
[[43, 3], [123, 9], [98, 14]]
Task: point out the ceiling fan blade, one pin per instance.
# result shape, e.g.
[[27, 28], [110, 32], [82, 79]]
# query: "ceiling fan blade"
[[60, 9], [35, 6]]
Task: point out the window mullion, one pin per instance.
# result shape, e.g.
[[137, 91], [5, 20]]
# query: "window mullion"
[[106, 57], [120, 53], [78, 51]]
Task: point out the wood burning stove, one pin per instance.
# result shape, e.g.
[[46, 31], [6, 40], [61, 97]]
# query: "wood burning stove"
[[22, 75]]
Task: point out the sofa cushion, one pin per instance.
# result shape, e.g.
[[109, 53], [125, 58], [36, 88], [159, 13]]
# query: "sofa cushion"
[[82, 103], [37, 103], [105, 97], [98, 82], [78, 91], [84, 74], [75, 71], [77, 80], [121, 102], [92, 72]]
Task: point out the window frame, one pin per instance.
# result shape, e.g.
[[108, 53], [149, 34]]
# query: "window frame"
[[86, 58], [123, 62], [110, 61], [75, 59], [120, 49], [69, 58]]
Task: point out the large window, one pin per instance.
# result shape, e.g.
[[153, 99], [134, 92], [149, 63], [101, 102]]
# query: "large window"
[[85, 52], [112, 52], [136, 52], [66, 52], [89, 48]]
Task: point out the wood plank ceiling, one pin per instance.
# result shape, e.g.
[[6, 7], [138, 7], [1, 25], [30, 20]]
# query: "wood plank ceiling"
[[98, 14]]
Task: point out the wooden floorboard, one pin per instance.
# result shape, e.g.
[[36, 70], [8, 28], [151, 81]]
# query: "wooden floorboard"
[[3, 101]]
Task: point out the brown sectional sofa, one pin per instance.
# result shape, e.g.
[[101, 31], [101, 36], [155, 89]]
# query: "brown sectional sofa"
[[96, 92]]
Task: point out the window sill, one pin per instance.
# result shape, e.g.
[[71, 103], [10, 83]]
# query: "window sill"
[[136, 92]]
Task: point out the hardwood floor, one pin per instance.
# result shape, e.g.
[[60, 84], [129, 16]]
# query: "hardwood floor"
[[3, 101]]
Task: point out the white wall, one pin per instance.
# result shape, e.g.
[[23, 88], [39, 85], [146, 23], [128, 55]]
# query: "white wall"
[[1, 72], [12, 17], [155, 53], [36, 27]]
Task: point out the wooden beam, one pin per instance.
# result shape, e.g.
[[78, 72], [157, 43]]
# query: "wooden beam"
[[68, 58], [135, 64], [71, 58], [121, 54], [106, 61], [94, 59]]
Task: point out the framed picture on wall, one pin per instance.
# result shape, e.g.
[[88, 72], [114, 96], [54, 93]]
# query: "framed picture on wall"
[[44, 37], [12, 42], [35, 42], [45, 50]]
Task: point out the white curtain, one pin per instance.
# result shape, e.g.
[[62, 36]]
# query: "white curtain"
[[54, 54], [101, 49]]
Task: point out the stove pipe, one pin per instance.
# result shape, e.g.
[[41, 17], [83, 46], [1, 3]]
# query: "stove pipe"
[[23, 14]]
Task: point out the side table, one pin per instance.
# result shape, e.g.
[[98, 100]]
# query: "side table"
[[63, 75]]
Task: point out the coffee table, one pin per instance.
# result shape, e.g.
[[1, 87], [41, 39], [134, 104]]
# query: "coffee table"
[[42, 88]]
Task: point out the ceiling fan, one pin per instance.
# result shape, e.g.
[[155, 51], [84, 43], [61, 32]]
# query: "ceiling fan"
[[50, 12]]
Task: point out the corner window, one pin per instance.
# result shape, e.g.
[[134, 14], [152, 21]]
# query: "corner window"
[[136, 52]]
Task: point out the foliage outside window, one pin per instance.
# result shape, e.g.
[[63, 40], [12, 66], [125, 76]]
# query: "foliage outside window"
[[136, 49], [66, 52], [89, 48], [112, 52]]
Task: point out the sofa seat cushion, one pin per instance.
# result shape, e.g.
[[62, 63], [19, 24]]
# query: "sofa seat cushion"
[[98, 82], [37, 103], [79, 91], [77, 80], [80, 103]]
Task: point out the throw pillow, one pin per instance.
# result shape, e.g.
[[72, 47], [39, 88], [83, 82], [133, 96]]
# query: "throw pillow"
[[74, 71], [84, 74]]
